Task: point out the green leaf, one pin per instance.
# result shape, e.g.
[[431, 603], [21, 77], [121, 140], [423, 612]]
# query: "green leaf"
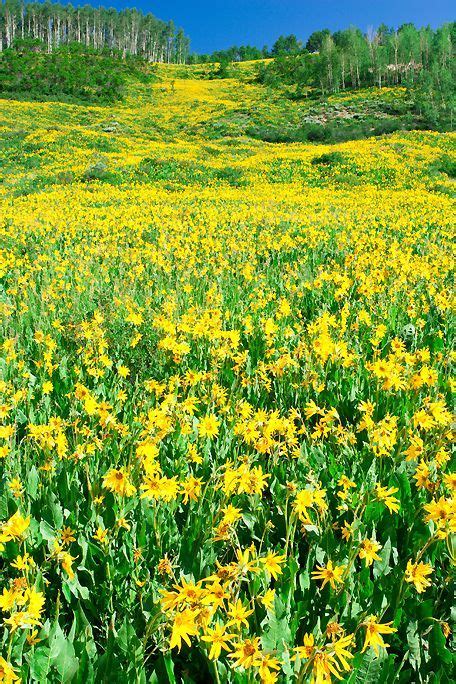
[[33, 480], [277, 631], [382, 567], [62, 655], [3, 507], [437, 647], [39, 662], [367, 668], [165, 669], [47, 532], [304, 580], [413, 641]]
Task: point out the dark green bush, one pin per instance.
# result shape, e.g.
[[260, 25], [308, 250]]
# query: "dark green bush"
[[446, 165], [96, 171], [71, 73], [315, 133], [231, 175], [328, 159]]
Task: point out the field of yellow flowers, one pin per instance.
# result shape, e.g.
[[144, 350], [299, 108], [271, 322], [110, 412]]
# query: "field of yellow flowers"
[[225, 439]]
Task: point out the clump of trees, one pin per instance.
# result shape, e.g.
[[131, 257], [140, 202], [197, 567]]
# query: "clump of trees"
[[352, 59], [421, 59], [242, 53], [128, 32], [71, 72], [284, 45]]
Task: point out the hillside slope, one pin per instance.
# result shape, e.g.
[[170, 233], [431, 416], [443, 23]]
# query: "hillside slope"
[[225, 391], [193, 128]]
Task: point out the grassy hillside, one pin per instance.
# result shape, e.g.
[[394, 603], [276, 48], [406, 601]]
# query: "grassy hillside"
[[226, 388], [71, 73], [194, 130]]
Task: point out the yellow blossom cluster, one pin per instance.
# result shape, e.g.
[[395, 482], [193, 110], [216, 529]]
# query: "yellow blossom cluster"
[[225, 394]]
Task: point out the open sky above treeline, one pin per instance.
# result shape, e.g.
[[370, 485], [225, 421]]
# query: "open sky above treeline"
[[219, 24]]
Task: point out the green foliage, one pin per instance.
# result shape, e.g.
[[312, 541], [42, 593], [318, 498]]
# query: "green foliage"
[[286, 45], [328, 159], [434, 95], [315, 40], [288, 70], [422, 60], [224, 69], [184, 172], [97, 171], [127, 30], [332, 132], [446, 165], [71, 73], [243, 53]]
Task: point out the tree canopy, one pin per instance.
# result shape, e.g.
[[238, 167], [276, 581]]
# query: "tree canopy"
[[128, 31], [422, 60]]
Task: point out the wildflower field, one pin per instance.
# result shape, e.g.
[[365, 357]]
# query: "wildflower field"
[[225, 440]]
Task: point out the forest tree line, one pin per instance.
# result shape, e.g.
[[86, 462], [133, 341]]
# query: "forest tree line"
[[351, 59], [421, 59], [347, 57], [128, 32]]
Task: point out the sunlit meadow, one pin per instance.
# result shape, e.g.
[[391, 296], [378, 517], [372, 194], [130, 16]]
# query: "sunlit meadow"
[[225, 440]]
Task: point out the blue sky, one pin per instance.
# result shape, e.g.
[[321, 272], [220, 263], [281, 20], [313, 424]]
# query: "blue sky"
[[218, 24]]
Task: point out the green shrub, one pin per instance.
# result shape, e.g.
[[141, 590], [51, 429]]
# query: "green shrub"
[[328, 159], [315, 133], [231, 175], [71, 73], [445, 165], [96, 171]]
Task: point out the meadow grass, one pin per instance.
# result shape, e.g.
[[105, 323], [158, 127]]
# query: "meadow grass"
[[226, 391]]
